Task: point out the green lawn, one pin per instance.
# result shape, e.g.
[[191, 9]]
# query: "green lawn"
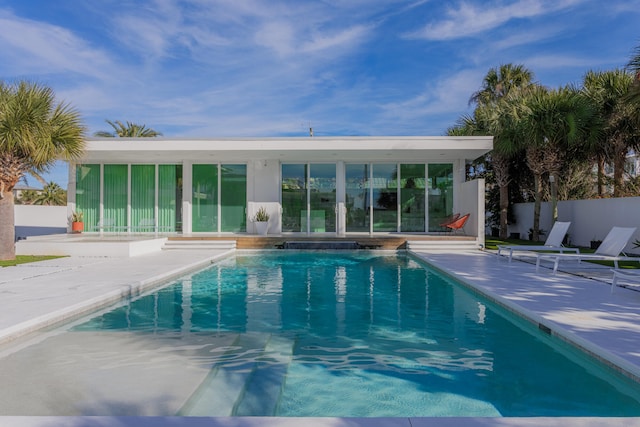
[[23, 259], [492, 243]]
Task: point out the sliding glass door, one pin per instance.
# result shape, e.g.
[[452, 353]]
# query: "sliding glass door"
[[219, 198], [309, 198], [357, 197], [143, 197], [440, 183], [412, 197], [233, 198], [88, 194]]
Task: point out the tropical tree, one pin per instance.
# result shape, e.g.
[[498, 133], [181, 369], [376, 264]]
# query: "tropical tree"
[[634, 68], [35, 131], [128, 130], [50, 195], [557, 123], [609, 92], [497, 114]]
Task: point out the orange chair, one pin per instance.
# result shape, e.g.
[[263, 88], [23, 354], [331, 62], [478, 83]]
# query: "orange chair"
[[459, 223], [449, 220]]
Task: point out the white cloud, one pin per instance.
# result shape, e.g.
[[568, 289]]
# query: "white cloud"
[[470, 19], [32, 47], [448, 95]]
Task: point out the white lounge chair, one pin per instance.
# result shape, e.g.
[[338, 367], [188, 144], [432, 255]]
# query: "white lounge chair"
[[553, 243], [609, 250], [632, 275]]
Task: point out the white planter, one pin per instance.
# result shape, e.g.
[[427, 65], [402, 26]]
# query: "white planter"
[[262, 227]]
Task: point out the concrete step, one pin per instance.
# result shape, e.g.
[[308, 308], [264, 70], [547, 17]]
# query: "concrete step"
[[440, 245], [222, 390], [200, 244], [264, 387]]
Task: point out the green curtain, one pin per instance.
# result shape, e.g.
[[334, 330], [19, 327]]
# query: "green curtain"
[[115, 197], [204, 202], [143, 197], [169, 197], [88, 194], [233, 198]]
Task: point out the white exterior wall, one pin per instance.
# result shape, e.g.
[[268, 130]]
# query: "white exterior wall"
[[590, 219], [471, 200]]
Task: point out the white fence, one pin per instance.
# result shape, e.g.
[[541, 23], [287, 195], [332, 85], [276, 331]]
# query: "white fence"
[[590, 219]]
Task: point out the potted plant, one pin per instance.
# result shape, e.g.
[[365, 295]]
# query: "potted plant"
[[261, 219], [77, 224]]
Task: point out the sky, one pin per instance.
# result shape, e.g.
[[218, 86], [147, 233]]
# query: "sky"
[[242, 68]]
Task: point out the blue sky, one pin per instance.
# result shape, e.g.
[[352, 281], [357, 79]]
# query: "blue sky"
[[210, 68]]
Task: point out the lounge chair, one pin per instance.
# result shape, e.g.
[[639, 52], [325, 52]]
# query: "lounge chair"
[[459, 223], [553, 243], [632, 275], [449, 220], [609, 250]]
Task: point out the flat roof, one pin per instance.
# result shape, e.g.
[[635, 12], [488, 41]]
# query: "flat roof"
[[347, 148]]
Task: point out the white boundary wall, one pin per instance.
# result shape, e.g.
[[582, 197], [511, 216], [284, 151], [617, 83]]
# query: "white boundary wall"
[[590, 219], [33, 220]]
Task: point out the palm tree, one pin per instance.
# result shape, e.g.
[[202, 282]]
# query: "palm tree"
[[496, 114], [35, 131], [609, 92], [557, 124], [51, 195], [128, 130], [634, 67]]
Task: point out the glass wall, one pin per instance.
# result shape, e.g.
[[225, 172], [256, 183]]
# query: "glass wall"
[[169, 198], [412, 197], [88, 194], [440, 186], [385, 197], [322, 198], [143, 197], [233, 198], [318, 192], [357, 197], [115, 197], [204, 201], [294, 197]]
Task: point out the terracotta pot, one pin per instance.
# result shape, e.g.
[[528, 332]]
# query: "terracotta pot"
[[77, 227]]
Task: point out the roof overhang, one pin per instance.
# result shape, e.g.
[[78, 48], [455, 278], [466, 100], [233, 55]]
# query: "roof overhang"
[[371, 149]]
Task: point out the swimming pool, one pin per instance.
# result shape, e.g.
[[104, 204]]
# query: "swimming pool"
[[309, 334]]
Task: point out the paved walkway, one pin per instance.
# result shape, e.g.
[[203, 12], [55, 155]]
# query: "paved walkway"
[[582, 310]]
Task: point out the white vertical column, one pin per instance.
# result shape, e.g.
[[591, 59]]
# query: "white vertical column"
[[341, 217], [187, 195], [128, 225]]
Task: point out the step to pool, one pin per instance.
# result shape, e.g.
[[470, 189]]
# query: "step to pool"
[[264, 387], [218, 394]]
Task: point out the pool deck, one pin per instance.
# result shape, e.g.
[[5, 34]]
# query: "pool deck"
[[579, 309]]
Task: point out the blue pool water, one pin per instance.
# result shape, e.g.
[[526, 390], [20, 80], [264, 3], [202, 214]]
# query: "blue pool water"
[[362, 334]]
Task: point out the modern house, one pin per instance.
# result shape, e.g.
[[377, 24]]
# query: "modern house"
[[331, 186]]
